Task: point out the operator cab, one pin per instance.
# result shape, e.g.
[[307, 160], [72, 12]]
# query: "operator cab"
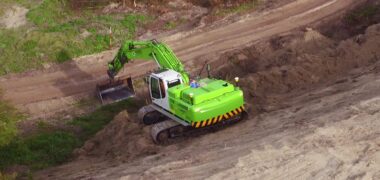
[[159, 83]]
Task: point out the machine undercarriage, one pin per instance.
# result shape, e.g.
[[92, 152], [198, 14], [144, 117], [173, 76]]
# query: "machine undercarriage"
[[165, 129]]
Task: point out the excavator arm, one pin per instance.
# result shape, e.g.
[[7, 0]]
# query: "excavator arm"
[[116, 90], [146, 50]]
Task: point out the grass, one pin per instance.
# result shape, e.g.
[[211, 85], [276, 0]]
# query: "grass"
[[92, 123], [49, 147], [49, 13], [7, 177], [58, 34], [6, 4], [8, 119], [363, 14], [39, 151], [170, 25], [241, 8]]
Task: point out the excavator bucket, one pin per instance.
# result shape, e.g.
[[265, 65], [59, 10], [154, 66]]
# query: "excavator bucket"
[[115, 91]]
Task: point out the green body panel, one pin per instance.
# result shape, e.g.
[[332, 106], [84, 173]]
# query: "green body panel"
[[211, 99]]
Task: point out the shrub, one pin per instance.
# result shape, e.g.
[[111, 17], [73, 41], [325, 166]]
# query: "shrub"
[[39, 151], [8, 119]]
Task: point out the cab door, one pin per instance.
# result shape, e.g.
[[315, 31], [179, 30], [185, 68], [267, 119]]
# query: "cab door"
[[158, 92]]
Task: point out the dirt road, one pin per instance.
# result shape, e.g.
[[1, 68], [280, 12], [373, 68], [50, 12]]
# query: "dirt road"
[[44, 92]]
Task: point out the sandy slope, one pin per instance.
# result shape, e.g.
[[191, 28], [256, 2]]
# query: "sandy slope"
[[329, 133], [44, 92], [321, 120]]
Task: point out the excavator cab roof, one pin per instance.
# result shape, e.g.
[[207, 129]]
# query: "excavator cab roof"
[[167, 75]]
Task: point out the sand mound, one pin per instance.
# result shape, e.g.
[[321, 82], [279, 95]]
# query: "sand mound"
[[14, 17], [319, 103], [267, 72], [121, 139], [296, 61]]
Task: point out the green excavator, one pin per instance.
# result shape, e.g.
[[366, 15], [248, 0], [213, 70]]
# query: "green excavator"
[[178, 105]]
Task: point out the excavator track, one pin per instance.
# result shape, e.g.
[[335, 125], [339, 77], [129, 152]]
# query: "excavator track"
[[163, 132], [148, 116]]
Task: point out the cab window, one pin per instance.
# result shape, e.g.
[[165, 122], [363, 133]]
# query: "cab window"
[[174, 83], [155, 88]]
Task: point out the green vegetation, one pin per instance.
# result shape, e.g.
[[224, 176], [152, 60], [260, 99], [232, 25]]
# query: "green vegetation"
[[7, 177], [38, 151], [92, 123], [364, 14], [241, 8], [49, 147], [5, 4], [171, 25], [8, 119], [174, 24], [57, 34], [49, 13]]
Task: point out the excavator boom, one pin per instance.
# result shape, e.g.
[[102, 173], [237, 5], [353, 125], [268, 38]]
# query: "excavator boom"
[[147, 50], [116, 90]]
